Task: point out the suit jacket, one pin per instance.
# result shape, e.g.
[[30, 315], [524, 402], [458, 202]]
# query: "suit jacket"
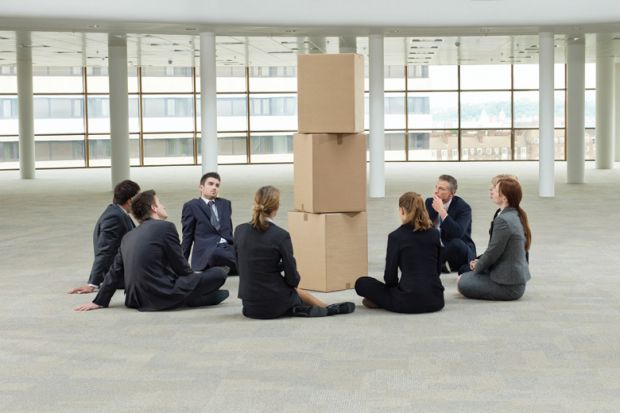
[[457, 224], [505, 260], [111, 226], [157, 276], [198, 231], [261, 259], [416, 253]]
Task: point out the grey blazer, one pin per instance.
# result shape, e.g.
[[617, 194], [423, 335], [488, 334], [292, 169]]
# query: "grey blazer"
[[504, 260]]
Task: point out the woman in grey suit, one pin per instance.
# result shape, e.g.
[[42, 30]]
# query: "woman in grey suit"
[[502, 271], [264, 251]]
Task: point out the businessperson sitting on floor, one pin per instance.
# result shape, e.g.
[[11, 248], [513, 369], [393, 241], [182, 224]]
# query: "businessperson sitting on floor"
[[502, 270], [414, 248], [207, 226], [451, 215], [264, 252], [156, 275], [111, 226]]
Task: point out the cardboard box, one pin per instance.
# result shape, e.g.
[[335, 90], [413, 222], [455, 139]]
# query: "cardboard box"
[[329, 172], [330, 93], [331, 249]]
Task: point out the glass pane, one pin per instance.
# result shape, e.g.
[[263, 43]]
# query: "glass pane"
[[231, 148], [590, 75], [99, 114], [433, 110], [485, 77], [166, 149], [526, 109], [485, 109], [134, 149], [273, 79], [99, 150], [590, 137], [436, 145], [590, 109], [395, 146], [9, 152], [59, 151], [231, 113], [58, 114], [97, 79], [527, 143], [57, 79], [229, 79], [273, 112], [559, 76], [132, 80], [432, 77], [167, 79], [485, 145], [163, 113], [394, 107], [271, 148], [526, 76], [8, 79], [559, 108], [9, 122], [394, 77]]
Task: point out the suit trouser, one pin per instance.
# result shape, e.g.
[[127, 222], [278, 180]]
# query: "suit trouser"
[[207, 290], [482, 287], [457, 253], [223, 255], [392, 299]]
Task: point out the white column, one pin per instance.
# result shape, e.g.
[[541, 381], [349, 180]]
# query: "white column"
[[376, 107], [119, 107], [546, 171], [208, 102], [25, 106], [575, 116], [604, 102], [617, 112]]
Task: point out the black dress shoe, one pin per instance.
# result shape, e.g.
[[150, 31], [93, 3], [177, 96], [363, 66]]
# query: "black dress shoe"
[[308, 311], [340, 308]]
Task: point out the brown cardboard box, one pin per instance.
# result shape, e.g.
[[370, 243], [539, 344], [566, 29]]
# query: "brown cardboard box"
[[329, 172], [330, 93], [331, 249]]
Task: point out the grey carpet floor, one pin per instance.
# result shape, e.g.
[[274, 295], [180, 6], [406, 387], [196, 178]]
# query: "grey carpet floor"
[[556, 350]]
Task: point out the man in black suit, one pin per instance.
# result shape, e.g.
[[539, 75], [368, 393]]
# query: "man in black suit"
[[451, 216], [111, 226], [157, 276], [207, 226]]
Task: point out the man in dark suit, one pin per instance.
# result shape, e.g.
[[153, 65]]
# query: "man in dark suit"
[[156, 275], [207, 226], [451, 216], [111, 226]]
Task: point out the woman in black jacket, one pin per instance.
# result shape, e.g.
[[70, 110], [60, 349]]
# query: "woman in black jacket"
[[414, 247], [264, 251]]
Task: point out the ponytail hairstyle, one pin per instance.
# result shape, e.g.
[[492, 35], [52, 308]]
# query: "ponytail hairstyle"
[[415, 211], [511, 189], [266, 202]]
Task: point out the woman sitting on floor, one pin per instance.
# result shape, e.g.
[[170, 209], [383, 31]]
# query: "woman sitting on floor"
[[502, 271], [414, 248], [264, 251]]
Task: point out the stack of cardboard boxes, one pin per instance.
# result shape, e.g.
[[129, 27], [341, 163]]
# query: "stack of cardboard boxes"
[[329, 224]]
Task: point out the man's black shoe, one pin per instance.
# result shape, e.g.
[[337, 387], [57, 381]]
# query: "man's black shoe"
[[308, 311], [340, 308]]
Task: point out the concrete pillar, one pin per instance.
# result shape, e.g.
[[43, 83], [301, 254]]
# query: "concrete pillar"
[[25, 106], [377, 134], [604, 101], [208, 102], [546, 162], [119, 107], [617, 112], [575, 115]]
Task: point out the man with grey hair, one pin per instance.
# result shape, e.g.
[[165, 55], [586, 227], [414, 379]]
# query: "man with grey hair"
[[451, 216]]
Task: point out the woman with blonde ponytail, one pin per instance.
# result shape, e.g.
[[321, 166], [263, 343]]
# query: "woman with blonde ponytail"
[[414, 248], [502, 271], [268, 276]]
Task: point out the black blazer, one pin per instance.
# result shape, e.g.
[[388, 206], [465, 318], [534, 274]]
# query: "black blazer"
[[111, 226], [261, 259], [157, 276], [457, 224], [416, 253], [198, 231]]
